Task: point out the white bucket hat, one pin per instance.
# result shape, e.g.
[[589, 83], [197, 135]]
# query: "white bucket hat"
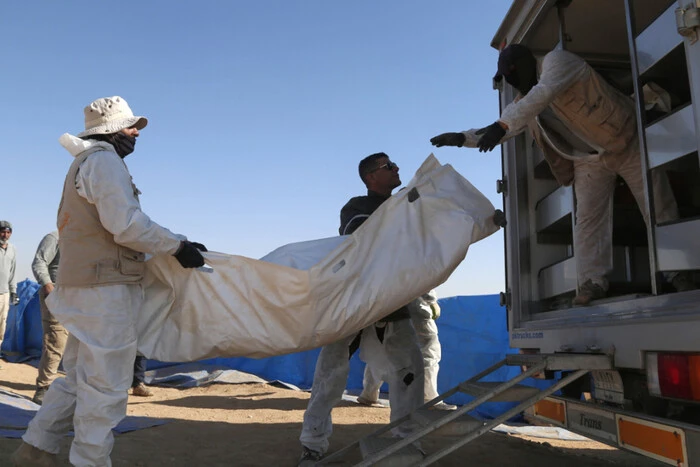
[[110, 115]]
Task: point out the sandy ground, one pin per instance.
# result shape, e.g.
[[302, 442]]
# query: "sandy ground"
[[259, 425]]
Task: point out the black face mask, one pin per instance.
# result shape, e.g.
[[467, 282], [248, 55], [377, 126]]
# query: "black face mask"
[[523, 77], [519, 67], [123, 144]]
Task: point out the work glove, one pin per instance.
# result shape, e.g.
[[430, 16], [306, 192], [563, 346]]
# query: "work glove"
[[14, 299], [492, 135], [189, 256], [435, 309], [448, 139]]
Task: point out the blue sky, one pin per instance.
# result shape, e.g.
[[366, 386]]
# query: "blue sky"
[[259, 111]]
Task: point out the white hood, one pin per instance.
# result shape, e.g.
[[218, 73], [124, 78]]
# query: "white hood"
[[76, 145]]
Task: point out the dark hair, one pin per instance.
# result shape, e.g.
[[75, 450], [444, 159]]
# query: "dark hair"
[[368, 164]]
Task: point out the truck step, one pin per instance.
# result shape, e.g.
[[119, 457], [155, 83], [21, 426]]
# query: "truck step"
[[515, 393], [408, 455], [457, 427], [377, 449]]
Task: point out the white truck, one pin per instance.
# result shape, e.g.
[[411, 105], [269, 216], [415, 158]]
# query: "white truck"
[[630, 363], [649, 402]]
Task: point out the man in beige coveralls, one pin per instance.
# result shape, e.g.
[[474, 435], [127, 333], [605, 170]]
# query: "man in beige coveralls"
[[45, 267]]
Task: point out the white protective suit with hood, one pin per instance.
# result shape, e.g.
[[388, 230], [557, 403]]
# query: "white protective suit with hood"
[[91, 399], [423, 321], [587, 131], [396, 359]]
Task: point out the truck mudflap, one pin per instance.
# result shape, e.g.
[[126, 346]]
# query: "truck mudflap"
[[667, 441]]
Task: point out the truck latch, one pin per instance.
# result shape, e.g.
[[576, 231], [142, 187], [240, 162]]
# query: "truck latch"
[[504, 299], [499, 218], [501, 186], [688, 21]]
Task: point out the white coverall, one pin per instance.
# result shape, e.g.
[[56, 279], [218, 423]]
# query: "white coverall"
[[397, 361], [99, 356], [594, 174], [427, 332]]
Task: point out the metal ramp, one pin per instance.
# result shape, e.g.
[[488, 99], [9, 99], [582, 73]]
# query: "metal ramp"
[[377, 449]]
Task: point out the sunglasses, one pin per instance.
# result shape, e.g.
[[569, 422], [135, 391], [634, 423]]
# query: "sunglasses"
[[390, 166]]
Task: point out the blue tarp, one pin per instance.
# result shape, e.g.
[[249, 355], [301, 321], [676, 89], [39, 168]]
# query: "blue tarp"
[[22, 339], [472, 332], [16, 411]]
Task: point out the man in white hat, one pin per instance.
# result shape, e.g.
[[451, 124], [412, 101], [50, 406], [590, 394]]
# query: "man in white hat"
[[103, 235], [8, 283]]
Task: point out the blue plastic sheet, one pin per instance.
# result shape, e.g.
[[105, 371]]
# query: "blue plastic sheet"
[[23, 332], [16, 412], [192, 375]]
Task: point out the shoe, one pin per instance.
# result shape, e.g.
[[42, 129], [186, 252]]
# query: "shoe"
[[27, 455], [442, 405], [309, 457], [683, 282], [368, 402], [141, 390], [588, 292], [39, 395]]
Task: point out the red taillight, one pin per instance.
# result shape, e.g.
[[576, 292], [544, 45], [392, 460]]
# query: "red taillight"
[[674, 379], [675, 375]]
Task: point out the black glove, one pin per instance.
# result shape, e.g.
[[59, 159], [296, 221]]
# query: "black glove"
[[492, 136], [448, 139], [199, 246], [14, 299], [189, 256]]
